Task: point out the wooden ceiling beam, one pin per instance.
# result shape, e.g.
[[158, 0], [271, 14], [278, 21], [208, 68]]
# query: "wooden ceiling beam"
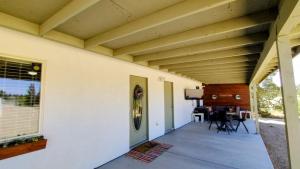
[[70, 10], [211, 30], [213, 67], [218, 71], [211, 55], [237, 59], [25, 26], [283, 26], [265, 57], [219, 45], [223, 81], [295, 42], [295, 32], [221, 77], [288, 17], [206, 79], [169, 14]]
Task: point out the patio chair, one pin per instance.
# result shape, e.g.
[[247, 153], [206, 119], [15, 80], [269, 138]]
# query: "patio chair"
[[241, 120], [213, 118], [225, 122]]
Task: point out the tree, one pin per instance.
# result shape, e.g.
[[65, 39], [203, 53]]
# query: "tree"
[[269, 95], [2, 93], [30, 97]]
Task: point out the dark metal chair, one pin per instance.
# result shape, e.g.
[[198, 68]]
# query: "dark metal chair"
[[213, 118], [242, 120], [225, 122]]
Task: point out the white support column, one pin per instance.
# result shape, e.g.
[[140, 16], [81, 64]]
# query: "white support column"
[[254, 107], [289, 100], [251, 98]]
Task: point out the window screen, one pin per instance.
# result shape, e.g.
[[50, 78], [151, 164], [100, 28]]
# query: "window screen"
[[20, 86]]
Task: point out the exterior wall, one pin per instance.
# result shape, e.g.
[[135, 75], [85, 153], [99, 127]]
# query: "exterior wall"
[[226, 95], [86, 103]]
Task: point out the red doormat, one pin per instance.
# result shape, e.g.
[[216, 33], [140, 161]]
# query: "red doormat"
[[148, 151]]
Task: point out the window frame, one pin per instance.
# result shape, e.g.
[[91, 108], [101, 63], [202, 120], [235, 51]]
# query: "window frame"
[[42, 96]]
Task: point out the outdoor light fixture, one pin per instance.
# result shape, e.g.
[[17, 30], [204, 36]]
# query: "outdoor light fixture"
[[35, 69], [214, 97], [237, 97], [32, 73]]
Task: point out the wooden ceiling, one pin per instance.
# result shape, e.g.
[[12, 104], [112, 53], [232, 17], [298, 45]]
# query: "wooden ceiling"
[[286, 25], [215, 41]]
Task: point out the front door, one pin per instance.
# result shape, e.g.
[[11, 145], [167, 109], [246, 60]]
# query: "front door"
[[169, 124], [138, 110]]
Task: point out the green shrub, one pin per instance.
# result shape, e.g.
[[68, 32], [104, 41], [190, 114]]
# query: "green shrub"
[[299, 105], [265, 113]]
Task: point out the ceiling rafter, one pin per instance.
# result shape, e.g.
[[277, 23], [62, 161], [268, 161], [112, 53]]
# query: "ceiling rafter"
[[172, 13], [295, 33], [237, 59], [221, 74], [295, 42], [211, 30], [288, 17], [22, 25], [218, 70], [224, 81], [224, 44], [70, 10], [207, 56], [283, 26], [222, 77], [190, 59], [214, 70], [265, 56], [206, 79], [212, 67]]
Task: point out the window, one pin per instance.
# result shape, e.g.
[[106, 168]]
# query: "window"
[[20, 86]]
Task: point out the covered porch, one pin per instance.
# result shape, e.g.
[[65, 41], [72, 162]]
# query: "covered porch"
[[97, 77], [194, 147]]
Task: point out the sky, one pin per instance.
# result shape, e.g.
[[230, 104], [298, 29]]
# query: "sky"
[[19, 87], [296, 65]]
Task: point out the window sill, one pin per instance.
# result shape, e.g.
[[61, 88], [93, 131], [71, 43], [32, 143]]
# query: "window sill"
[[22, 149]]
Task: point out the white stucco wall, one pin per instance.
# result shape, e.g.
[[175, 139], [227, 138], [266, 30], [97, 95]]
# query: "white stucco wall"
[[86, 103]]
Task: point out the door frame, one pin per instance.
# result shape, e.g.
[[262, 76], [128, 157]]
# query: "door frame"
[[147, 115], [173, 121]]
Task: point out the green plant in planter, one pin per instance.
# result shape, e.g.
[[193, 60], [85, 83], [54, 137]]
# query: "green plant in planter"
[[35, 139], [3, 145], [21, 141]]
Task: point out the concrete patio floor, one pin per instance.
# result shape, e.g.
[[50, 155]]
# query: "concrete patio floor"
[[196, 147]]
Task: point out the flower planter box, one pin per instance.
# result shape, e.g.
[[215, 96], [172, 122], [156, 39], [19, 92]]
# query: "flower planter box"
[[22, 149]]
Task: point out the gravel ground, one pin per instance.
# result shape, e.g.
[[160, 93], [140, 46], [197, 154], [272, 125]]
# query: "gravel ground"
[[273, 134]]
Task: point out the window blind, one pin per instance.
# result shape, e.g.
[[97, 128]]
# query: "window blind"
[[20, 85]]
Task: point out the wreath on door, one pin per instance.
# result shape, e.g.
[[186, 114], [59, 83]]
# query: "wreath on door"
[[137, 110]]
